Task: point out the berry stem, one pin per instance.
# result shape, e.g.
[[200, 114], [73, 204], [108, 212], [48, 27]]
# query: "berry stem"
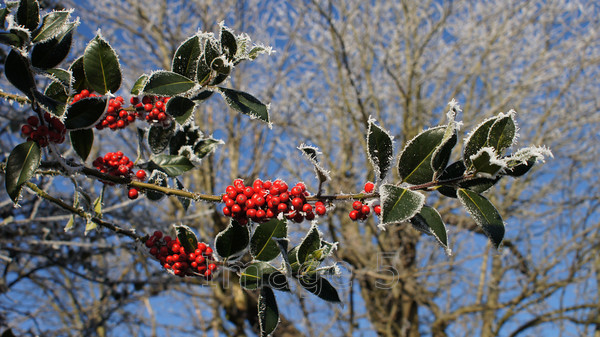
[[17, 98], [42, 194]]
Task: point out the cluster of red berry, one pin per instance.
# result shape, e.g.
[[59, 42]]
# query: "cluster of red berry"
[[359, 210], [264, 200], [83, 94], [119, 165], [153, 107], [173, 256], [116, 117], [52, 131]]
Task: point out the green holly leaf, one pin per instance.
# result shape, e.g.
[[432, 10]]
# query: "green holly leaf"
[[261, 274], [232, 241], [82, 141], [79, 80], [158, 178], [139, 84], [187, 237], [503, 132], [28, 14], [319, 286], [167, 83], [380, 149], [310, 244], [101, 66], [268, 314], [13, 39], [159, 137], [53, 24], [246, 104], [172, 165], [484, 213], [180, 108], [398, 204], [85, 113], [477, 139], [18, 72], [429, 221], [185, 60], [262, 245], [52, 52], [415, 163], [22, 162]]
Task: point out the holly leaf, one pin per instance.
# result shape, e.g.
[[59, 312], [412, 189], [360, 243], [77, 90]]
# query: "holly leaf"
[[185, 60], [139, 84], [380, 149], [398, 204], [261, 274], [311, 153], [319, 286], [160, 179], [180, 108], [187, 237], [18, 72], [159, 137], [414, 164], [85, 113], [429, 221], [13, 39], [53, 24], [167, 83], [82, 141], [262, 245], [28, 14], [101, 66], [232, 241], [79, 80], [172, 165], [268, 314], [476, 140], [52, 52], [484, 213], [310, 244], [503, 132], [246, 104], [22, 162]]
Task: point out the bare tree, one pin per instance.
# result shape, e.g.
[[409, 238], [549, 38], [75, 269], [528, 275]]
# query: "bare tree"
[[337, 63]]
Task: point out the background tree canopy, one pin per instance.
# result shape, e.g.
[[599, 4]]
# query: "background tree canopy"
[[336, 64]]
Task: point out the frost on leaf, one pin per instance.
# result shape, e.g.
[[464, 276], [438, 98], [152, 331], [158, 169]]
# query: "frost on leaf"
[[311, 153], [486, 163], [380, 148]]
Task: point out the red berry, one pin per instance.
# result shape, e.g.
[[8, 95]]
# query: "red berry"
[[236, 208], [133, 193], [202, 246], [307, 208], [84, 93], [369, 187], [365, 210], [354, 215], [297, 203], [377, 209], [157, 234], [357, 205], [208, 251], [320, 209], [26, 129], [141, 175], [150, 243]]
